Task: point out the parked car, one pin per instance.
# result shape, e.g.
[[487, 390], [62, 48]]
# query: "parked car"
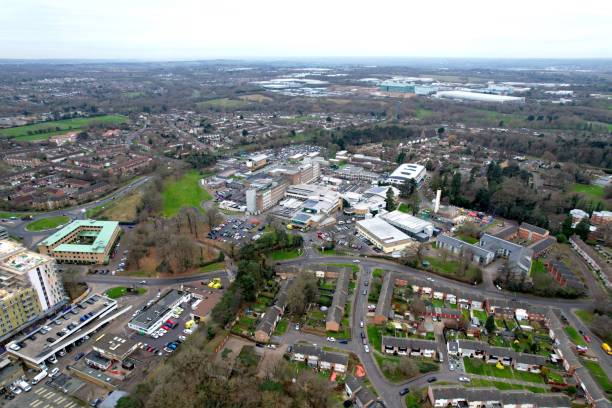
[[404, 391], [432, 379], [79, 356], [465, 379], [332, 339], [366, 348]]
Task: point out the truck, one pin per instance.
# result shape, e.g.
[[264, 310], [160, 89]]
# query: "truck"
[[39, 377]]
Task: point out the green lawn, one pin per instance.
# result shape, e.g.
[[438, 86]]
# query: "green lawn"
[[479, 367], [185, 192], [47, 223], [377, 273], [451, 268], [481, 382], [213, 267], [284, 254], [599, 375], [119, 291], [374, 336], [281, 327], [467, 238], [44, 130], [590, 190], [413, 401], [585, 316], [7, 214], [405, 208], [574, 336], [351, 266], [223, 103]]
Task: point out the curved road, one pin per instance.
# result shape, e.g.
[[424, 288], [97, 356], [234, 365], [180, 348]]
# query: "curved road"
[[18, 227]]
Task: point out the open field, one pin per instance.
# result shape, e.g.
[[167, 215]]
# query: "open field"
[[216, 266], [223, 103], [255, 98], [452, 269], [44, 130], [479, 367], [591, 191], [574, 336], [47, 223], [119, 291], [284, 254], [599, 375], [585, 316], [185, 192], [124, 209]]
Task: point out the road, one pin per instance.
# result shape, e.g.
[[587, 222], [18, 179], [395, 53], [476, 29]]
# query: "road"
[[17, 228]]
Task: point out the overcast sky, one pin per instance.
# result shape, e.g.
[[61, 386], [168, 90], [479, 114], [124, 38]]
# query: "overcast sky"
[[200, 29]]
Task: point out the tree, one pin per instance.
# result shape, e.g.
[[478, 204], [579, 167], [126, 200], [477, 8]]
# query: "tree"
[[566, 227], [417, 307], [391, 204], [490, 324], [583, 229], [213, 217], [401, 157]]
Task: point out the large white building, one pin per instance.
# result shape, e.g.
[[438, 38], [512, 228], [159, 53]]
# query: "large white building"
[[480, 97], [20, 267], [383, 235], [407, 171], [409, 224]]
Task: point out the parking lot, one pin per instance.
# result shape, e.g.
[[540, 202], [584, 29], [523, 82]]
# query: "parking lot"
[[43, 396], [236, 230]]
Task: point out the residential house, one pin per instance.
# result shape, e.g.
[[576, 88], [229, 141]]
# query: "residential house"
[[459, 248], [316, 357], [458, 396], [359, 393], [335, 313], [563, 275], [404, 346], [273, 314], [532, 232], [383, 307]]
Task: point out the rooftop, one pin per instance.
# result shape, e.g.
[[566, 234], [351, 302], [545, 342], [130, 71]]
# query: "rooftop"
[[17, 258], [406, 221], [382, 230], [101, 231], [160, 307]]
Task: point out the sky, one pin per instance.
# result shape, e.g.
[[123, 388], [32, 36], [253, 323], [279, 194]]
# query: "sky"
[[209, 29]]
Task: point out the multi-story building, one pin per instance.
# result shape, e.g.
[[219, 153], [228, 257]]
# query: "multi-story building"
[[383, 235], [82, 241], [18, 306], [20, 267], [601, 217], [256, 162], [407, 171], [265, 194]]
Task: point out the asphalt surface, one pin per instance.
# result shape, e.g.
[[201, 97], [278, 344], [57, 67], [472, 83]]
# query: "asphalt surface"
[[17, 228]]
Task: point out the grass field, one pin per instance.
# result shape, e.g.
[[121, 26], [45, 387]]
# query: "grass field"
[[574, 336], [123, 209], [7, 214], [223, 103], [185, 192], [255, 98], [599, 375], [405, 208], [217, 266], [585, 316], [27, 132], [47, 223], [374, 336], [451, 268], [478, 382], [284, 254], [467, 238], [591, 191], [281, 327], [479, 367], [119, 291]]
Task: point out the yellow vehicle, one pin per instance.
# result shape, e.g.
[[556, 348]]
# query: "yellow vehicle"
[[606, 348], [215, 283], [189, 324]]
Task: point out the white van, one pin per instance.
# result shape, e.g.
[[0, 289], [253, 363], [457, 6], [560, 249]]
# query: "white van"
[[24, 385], [39, 377]]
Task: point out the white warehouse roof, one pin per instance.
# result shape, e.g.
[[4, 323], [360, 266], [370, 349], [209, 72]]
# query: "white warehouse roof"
[[407, 222], [408, 171], [477, 96], [382, 230]]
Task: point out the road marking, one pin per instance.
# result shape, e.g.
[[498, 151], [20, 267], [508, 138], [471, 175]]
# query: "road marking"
[[59, 399], [39, 390], [70, 405], [36, 403], [49, 394]]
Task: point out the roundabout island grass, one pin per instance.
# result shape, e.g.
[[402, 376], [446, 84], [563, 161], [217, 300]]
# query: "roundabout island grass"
[[47, 223], [119, 291]]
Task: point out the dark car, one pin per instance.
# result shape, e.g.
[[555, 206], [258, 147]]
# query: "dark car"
[[404, 391], [343, 341], [79, 356], [432, 379]]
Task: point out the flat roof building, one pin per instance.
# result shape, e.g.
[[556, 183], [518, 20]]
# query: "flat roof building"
[[154, 315], [407, 171], [383, 235], [408, 223], [64, 329], [480, 97], [22, 268], [82, 241]]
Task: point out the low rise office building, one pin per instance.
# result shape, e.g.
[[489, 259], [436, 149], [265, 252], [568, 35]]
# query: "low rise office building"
[[82, 241]]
